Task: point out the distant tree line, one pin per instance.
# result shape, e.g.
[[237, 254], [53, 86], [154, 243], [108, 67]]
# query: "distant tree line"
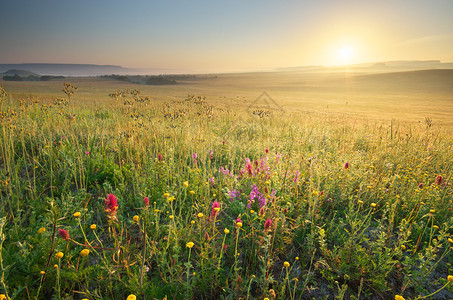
[[16, 77]]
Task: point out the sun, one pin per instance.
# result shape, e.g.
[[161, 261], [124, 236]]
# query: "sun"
[[345, 54]]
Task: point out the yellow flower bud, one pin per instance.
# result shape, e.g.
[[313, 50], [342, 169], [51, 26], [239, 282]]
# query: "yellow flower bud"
[[136, 218], [226, 231], [190, 245], [77, 214], [286, 264], [59, 255], [85, 252], [41, 230]]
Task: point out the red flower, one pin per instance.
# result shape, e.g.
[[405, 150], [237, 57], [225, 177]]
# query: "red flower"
[[63, 234], [111, 204], [267, 224], [238, 220], [439, 180], [160, 157], [146, 201], [346, 166], [215, 209]]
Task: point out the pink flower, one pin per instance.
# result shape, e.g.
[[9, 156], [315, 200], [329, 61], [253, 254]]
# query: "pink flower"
[[439, 180], [215, 209], [146, 201], [346, 166], [111, 204], [87, 152], [160, 157], [238, 220], [267, 225], [63, 234]]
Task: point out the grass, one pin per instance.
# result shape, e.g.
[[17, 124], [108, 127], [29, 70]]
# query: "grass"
[[188, 197]]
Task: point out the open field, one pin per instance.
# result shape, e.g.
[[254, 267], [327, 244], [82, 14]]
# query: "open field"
[[339, 187]]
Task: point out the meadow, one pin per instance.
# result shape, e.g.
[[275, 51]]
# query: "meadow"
[[327, 186]]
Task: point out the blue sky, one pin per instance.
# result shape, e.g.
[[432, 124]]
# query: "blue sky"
[[224, 35]]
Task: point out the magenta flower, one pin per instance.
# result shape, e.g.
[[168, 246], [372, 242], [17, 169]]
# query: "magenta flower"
[[215, 209], [346, 166], [146, 201], [439, 180], [268, 225], [87, 152], [111, 204], [160, 157], [64, 234]]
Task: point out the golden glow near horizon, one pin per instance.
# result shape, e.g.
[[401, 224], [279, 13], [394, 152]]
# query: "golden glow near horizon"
[[345, 54]]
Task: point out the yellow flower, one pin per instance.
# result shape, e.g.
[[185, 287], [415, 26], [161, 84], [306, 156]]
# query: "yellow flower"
[[432, 211], [166, 195], [55, 266], [156, 210], [85, 252], [226, 231], [191, 192], [239, 224], [185, 183], [373, 204], [297, 257], [170, 199], [252, 211], [360, 202], [450, 240], [192, 222], [41, 230], [435, 227], [217, 209], [171, 217], [42, 272], [59, 255], [77, 214], [286, 264], [398, 297], [2, 297], [266, 298], [93, 226], [131, 297], [450, 278], [136, 218], [403, 247], [200, 215], [189, 245]]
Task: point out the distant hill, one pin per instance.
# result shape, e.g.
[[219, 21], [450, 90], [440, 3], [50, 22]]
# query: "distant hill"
[[74, 69], [21, 73]]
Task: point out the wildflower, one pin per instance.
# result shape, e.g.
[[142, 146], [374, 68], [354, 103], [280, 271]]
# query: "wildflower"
[[200, 215], [211, 180], [226, 231], [360, 202], [297, 257], [192, 222], [160, 157], [85, 252], [136, 218], [191, 192], [450, 278], [63, 234], [435, 227], [87, 152], [252, 211], [170, 199], [190, 245], [346, 166], [215, 209], [93, 226], [41, 230], [55, 266], [420, 186], [131, 297], [450, 240], [156, 210], [111, 204], [185, 183], [432, 211], [398, 297], [267, 225], [238, 222], [272, 292], [77, 214], [2, 297], [42, 272], [286, 264], [373, 204], [146, 201], [439, 180], [403, 247], [171, 217], [59, 255]]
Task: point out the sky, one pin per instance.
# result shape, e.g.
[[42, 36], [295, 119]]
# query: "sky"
[[224, 36]]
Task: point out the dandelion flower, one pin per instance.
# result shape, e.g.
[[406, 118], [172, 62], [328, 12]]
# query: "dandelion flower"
[[77, 214], [93, 226], [286, 264], [200, 215], [59, 255], [185, 183], [398, 297], [190, 245], [131, 297], [136, 218], [41, 230], [85, 252]]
